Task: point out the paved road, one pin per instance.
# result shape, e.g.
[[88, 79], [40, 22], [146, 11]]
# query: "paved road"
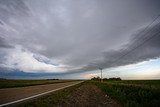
[[14, 95]]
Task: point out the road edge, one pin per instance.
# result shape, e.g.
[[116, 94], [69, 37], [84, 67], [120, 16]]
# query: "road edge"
[[34, 96]]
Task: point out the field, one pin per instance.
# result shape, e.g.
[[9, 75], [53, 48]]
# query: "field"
[[138, 93], [124, 93], [23, 83]]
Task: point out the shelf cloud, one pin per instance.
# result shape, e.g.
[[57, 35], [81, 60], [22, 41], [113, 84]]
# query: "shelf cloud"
[[59, 36]]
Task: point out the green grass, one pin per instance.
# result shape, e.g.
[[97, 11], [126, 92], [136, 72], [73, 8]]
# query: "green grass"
[[23, 83], [145, 93], [50, 99]]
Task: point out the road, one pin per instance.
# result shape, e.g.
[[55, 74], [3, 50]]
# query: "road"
[[14, 95]]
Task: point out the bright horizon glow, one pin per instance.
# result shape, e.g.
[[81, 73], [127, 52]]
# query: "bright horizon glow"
[[141, 71]]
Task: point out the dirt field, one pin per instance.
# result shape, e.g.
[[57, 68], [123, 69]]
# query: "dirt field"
[[87, 95]]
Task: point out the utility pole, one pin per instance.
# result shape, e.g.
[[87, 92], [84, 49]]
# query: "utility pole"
[[101, 74]]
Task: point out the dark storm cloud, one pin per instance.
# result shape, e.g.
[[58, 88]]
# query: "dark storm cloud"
[[142, 46], [79, 34]]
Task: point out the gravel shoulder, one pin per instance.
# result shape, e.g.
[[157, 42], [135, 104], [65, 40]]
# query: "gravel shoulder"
[[87, 95]]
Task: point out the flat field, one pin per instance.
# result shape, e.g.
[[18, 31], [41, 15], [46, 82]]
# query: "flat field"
[[23, 83], [133, 93]]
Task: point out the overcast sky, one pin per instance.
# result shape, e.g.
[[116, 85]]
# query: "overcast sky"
[[71, 37]]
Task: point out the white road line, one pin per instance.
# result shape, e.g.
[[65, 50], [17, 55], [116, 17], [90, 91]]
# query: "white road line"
[[9, 103]]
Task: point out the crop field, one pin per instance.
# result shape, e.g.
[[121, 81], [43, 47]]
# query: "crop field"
[[149, 83], [133, 93], [22, 83]]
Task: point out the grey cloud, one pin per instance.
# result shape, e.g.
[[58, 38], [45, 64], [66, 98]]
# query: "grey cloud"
[[1, 23], [81, 33], [12, 8], [142, 46], [4, 44], [44, 59]]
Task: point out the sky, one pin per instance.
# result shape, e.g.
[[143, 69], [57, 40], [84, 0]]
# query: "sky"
[[72, 39]]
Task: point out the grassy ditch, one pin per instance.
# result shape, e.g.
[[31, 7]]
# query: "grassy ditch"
[[132, 93], [23, 83]]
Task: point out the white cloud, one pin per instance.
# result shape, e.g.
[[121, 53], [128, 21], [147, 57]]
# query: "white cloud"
[[22, 59]]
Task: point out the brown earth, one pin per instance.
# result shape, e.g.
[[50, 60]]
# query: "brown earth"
[[87, 95]]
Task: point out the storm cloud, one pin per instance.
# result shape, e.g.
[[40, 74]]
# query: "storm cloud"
[[142, 47], [68, 36]]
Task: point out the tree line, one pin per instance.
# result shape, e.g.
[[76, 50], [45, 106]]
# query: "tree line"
[[105, 79]]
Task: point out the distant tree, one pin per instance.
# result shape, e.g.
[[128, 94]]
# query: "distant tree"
[[53, 79], [96, 78], [105, 79], [115, 78]]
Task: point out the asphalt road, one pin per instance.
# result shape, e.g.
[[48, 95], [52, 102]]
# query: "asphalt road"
[[14, 95]]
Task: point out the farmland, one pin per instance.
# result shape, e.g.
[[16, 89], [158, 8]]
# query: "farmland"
[[138, 93], [125, 93], [110, 93], [23, 83]]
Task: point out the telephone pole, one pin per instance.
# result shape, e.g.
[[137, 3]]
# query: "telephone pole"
[[101, 74]]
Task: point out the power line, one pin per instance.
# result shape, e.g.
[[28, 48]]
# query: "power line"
[[147, 32], [140, 38], [150, 24], [137, 46], [145, 41], [146, 29]]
